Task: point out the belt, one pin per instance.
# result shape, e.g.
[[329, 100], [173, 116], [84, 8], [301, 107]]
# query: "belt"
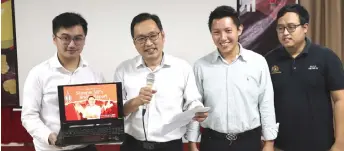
[[89, 147], [230, 136], [149, 145]]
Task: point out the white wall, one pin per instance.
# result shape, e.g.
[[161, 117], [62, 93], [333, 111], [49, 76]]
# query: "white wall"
[[109, 42]]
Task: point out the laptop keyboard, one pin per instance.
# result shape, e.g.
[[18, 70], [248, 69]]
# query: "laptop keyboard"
[[87, 131]]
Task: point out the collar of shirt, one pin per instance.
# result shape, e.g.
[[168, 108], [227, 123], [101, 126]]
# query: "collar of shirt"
[[242, 54], [55, 63], [283, 53], [165, 62]]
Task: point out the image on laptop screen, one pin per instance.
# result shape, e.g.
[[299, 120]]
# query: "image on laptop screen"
[[87, 102]]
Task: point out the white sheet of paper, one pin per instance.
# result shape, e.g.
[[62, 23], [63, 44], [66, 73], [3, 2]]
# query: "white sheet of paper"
[[181, 119]]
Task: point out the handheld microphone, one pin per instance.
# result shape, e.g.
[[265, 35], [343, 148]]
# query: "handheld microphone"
[[149, 83]]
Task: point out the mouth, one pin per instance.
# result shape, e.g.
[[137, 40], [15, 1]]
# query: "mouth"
[[287, 39], [150, 50], [72, 51], [224, 44]]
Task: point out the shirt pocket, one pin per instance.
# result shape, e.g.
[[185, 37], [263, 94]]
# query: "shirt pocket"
[[247, 85], [169, 95]]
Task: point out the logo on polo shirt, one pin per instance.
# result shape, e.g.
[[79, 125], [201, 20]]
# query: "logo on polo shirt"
[[275, 69], [313, 67]]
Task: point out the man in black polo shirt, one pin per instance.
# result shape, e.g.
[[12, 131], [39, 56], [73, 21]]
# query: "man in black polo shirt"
[[305, 76]]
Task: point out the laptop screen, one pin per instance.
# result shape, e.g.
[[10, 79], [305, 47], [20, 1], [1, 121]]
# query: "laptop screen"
[[89, 102]]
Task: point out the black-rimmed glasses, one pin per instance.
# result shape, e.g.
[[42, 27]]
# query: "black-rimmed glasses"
[[290, 28], [78, 40], [142, 39]]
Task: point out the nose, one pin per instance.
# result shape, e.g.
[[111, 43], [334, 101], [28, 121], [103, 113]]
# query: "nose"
[[148, 42], [223, 36], [71, 44], [285, 31]]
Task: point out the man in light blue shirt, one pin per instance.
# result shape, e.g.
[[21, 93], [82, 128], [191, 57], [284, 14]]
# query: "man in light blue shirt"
[[236, 84]]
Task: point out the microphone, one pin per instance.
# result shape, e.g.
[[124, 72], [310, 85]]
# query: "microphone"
[[149, 83]]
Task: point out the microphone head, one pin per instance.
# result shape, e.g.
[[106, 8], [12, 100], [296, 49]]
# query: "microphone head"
[[150, 79]]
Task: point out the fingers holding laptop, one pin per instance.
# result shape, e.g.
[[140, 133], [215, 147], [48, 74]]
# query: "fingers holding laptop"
[[52, 139]]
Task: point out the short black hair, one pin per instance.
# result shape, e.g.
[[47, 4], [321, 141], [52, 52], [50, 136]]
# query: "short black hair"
[[224, 11], [143, 17], [91, 96], [67, 20], [295, 8]]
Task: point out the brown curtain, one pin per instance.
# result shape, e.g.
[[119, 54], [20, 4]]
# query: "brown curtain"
[[326, 25]]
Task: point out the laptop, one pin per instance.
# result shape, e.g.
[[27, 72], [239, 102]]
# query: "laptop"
[[90, 114]]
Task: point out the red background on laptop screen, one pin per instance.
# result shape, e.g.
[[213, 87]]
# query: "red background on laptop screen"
[[90, 102]]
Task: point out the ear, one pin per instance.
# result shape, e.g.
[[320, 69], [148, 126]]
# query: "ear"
[[305, 27], [240, 29], [163, 36], [54, 39]]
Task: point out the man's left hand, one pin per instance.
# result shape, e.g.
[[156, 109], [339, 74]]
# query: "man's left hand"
[[337, 147], [268, 146], [200, 116]]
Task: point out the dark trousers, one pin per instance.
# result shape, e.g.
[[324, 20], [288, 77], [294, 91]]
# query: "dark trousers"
[[87, 148], [131, 144], [246, 141]]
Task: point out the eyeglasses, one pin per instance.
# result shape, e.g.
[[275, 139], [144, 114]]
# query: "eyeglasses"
[[142, 39], [78, 40], [290, 28]]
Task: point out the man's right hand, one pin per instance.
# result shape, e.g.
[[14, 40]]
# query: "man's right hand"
[[145, 95], [52, 139], [192, 146]]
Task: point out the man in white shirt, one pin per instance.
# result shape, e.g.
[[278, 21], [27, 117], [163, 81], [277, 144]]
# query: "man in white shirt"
[[174, 90], [235, 83], [40, 112]]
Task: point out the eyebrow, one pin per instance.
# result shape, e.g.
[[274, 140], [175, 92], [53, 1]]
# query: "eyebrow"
[[227, 28], [64, 34], [288, 24], [150, 33]]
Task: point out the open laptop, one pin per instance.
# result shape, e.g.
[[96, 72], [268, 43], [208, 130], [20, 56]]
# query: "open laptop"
[[90, 113]]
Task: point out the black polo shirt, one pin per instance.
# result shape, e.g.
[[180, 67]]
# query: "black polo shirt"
[[302, 96]]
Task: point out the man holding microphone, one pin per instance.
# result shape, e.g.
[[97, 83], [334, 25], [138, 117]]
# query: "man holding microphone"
[[156, 87]]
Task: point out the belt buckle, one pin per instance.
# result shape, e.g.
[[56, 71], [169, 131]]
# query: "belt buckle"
[[231, 137], [148, 145]]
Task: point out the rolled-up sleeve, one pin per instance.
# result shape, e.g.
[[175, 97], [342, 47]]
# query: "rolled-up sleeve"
[[32, 100], [193, 130], [118, 77], [266, 105], [192, 97]]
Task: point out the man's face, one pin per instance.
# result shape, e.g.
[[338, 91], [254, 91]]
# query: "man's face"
[[91, 101], [289, 30], [70, 42], [225, 34], [149, 40]]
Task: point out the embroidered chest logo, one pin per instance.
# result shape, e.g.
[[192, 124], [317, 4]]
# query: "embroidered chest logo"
[[275, 69], [313, 67]]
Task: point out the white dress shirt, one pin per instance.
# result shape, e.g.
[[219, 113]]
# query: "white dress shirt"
[[240, 94], [40, 110], [176, 92]]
